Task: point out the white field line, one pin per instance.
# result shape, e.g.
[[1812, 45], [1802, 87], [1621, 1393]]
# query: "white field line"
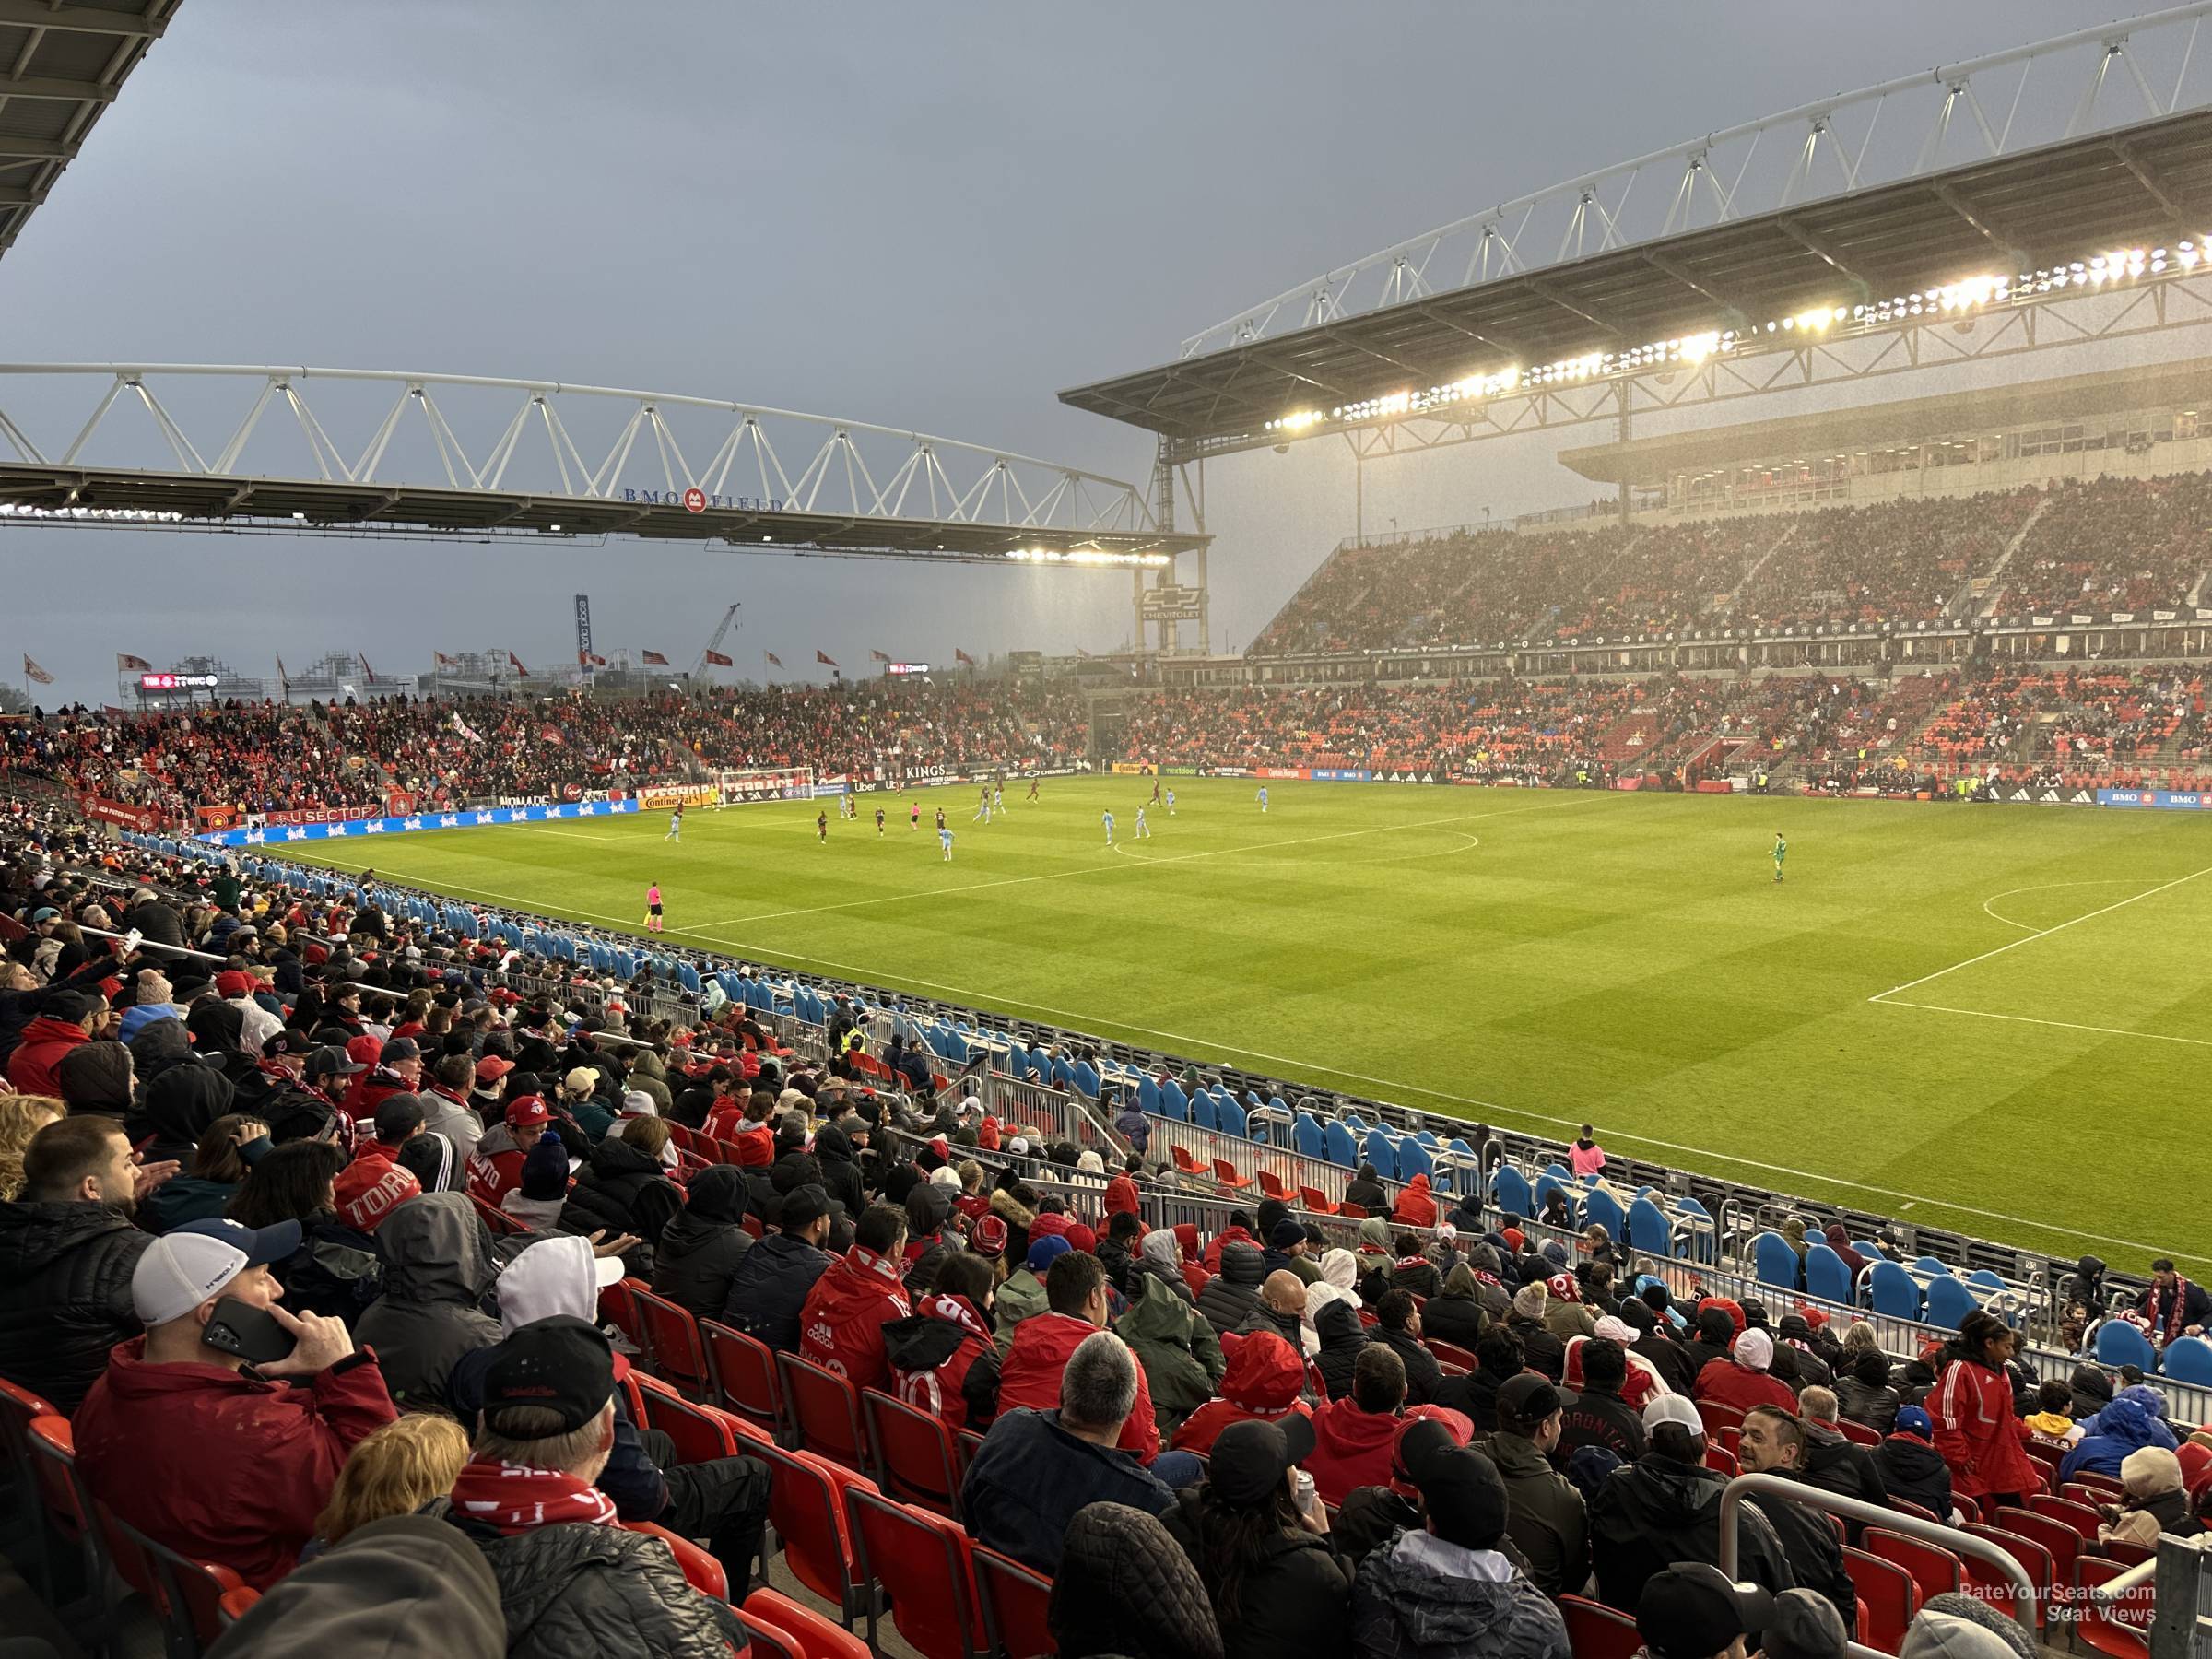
[[2041, 933], [571, 834], [2043, 886], [2063, 1025]]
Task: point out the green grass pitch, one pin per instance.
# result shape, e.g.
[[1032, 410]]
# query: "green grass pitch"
[[1993, 1018]]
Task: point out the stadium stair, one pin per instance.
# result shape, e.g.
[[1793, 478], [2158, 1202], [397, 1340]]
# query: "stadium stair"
[[1993, 583]]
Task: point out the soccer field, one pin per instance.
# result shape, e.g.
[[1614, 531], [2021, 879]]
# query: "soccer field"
[[1993, 1018]]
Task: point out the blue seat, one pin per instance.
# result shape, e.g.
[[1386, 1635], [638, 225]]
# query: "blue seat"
[[1233, 1119], [1414, 1160], [1382, 1152], [1510, 1192], [1086, 1076], [1896, 1295], [1204, 1111], [1600, 1209], [1827, 1276], [1148, 1095], [1306, 1138], [1774, 1261], [1649, 1230], [1547, 1183], [1949, 1302], [1064, 1073], [1338, 1145], [1928, 1264], [1176, 1102], [2189, 1359], [687, 977], [2120, 1343]]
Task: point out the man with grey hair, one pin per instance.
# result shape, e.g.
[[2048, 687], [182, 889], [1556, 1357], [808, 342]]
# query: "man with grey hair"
[[1831, 1462], [571, 1580], [1035, 1469]]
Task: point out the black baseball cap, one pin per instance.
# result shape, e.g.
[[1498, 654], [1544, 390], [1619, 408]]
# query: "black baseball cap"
[[803, 1206], [1249, 1459], [1460, 1488], [71, 1006], [1529, 1397], [1692, 1610], [290, 1040], [262, 1246], [398, 1116], [330, 1061], [562, 1364], [401, 1048]]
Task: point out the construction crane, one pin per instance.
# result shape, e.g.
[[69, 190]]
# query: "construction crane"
[[714, 644]]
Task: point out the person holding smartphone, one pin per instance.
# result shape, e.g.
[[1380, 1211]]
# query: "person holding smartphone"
[[220, 1431]]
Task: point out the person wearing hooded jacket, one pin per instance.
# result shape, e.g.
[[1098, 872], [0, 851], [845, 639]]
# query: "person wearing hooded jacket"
[[1455, 1314], [61, 1025], [1910, 1465], [841, 1168], [624, 1188], [1262, 1382], [1541, 1348], [1353, 1437], [928, 1238], [1972, 1411], [701, 1248], [1666, 1506], [1158, 1256], [1181, 1354], [97, 1077], [1232, 1294], [2092, 1387], [437, 1270], [942, 1356], [840, 1328], [1343, 1339], [404, 1585], [2132, 1422], [180, 1105]]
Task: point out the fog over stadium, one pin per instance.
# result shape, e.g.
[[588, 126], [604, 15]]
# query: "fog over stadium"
[[930, 219]]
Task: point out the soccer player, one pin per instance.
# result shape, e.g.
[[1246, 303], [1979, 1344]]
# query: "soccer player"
[[1781, 849], [1263, 797], [879, 820], [1155, 801], [1170, 802], [944, 838], [940, 818], [1144, 831], [913, 817], [676, 824], [998, 795], [821, 828], [1108, 816], [653, 908], [982, 806], [1032, 789]]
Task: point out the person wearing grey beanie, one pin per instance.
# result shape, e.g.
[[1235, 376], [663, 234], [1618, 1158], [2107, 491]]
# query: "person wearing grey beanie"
[[1953, 1626]]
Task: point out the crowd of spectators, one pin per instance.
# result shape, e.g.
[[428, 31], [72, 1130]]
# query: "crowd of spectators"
[[276, 756], [2103, 545], [331, 1357]]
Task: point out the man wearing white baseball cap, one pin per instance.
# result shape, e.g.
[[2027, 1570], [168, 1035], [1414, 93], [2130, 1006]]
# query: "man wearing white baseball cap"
[[219, 1458]]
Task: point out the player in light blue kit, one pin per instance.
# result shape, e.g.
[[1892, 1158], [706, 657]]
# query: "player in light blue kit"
[[1109, 818], [1263, 797], [676, 826], [945, 840], [1170, 802], [1144, 830]]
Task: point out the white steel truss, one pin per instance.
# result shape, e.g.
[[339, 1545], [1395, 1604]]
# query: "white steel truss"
[[542, 438], [2110, 75]]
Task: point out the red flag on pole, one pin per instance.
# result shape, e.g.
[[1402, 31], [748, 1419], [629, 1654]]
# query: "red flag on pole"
[[598, 661], [516, 664], [31, 671], [961, 657], [368, 673], [719, 661], [654, 659], [127, 664], [443, 661], [880, 656], [775, 660], [822, 656]]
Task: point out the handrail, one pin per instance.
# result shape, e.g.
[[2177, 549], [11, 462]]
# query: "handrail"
[[1873, 1515], [150, 945]]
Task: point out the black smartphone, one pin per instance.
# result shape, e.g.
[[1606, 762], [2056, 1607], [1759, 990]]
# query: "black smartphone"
[[250, 1333]]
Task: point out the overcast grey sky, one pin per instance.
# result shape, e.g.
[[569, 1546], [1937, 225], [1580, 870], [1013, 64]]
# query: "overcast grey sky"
[[927, 215]]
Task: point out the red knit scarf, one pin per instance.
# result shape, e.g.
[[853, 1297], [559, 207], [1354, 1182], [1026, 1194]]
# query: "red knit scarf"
[[2175, 1314], [514, 1499]]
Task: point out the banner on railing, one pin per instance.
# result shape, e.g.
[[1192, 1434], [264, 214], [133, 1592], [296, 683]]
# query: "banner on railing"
[[274, 835], [2188, 800], [143, 819]]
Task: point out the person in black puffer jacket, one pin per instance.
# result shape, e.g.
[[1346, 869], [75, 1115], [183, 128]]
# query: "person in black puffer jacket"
[[1231, 1295], [928, 1239], [1455, 1314], [1343, 1340], [1499, 1358], [67, 1250], [701, 1248], [1399, 1330], [1910, 1465], [839, 1170], [1541, 1346], [769, 1288], [336, 1271], [624, 1188]]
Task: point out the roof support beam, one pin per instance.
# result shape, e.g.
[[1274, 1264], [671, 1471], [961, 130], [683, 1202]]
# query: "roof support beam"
[[1428, 309], [1546, 290], [1820, 248], [1690, 280], [1979, 219], [81, 20], [20, 195], [2183, 219], [57, 87], [36, 149]]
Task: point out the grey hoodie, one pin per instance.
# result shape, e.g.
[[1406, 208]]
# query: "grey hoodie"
[[405, 1587], [1419, 1597], [436, 1271]]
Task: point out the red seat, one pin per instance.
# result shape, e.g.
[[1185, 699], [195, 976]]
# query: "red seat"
[[1720, 1457], [765, 1640], [2082, 1517], [1185, 1162], [2059, 1538], [617, 1306], [1226, 1173], [701, 1434], [1905, 1506], [825, 1411], [1597, 1632], [18, 1409], [236, 1604], [2120, 1629], [1719, 1416], [1859, 1434], [806, 1633], [920, 1562], [1016, 1606], [185, 1594], [913, 1452], [498, 1219], [806, 1507], [700, 1570], [672, 1340], [1933, 1568], [743, 1371], [1887, 1593], [1272, 1184], [1449, 1353], [1984, 1579], [1317, 1201]]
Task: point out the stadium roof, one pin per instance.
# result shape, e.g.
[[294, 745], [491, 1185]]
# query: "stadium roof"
[[2181, 386], [2148, 183], [61, 64]]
